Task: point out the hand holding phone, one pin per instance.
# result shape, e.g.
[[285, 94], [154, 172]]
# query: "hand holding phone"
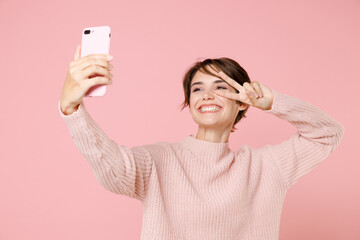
[[95, 40], [78, 79]]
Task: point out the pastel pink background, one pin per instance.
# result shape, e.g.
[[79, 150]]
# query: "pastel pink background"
[[307, 49]]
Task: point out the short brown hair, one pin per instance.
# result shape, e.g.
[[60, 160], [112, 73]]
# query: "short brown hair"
[[230, 67]]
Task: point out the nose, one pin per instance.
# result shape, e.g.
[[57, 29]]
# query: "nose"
[[208, 95]]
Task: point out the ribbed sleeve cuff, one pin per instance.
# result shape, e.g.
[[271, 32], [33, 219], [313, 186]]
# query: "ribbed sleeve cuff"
[[80, 117]]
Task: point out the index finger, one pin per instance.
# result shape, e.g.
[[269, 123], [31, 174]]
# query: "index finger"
[[231, 81], [86, 58], [77, 53], [98, 55]]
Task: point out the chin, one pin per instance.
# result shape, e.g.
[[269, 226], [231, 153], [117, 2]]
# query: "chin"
[[210, 124]]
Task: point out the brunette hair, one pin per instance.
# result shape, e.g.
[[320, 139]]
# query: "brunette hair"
[[230, 67]]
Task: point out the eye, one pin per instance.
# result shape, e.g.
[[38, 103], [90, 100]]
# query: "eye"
[[221, 87], [196, 89]]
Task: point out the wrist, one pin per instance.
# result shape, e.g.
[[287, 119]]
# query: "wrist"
[[271, 101], [68, 109]]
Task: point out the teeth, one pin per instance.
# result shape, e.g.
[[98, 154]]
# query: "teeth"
[[212, 108]]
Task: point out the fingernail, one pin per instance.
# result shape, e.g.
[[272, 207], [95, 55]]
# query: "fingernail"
[[109, 57], [111, 67]]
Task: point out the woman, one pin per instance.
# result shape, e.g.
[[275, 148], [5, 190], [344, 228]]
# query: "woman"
[[198, 188]]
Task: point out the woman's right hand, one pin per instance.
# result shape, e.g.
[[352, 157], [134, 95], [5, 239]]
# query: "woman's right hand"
[[83, 73]]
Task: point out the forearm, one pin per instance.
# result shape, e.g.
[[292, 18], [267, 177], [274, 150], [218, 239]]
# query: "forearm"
[[310, 121], [117, 168]]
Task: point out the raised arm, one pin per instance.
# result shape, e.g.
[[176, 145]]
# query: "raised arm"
[[318, 135], [118, 168]]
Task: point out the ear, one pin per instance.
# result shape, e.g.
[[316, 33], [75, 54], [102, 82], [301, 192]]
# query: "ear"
[[241, 106]]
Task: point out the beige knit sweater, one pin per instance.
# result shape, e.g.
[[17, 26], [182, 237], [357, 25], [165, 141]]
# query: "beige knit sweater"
[[193, 189]]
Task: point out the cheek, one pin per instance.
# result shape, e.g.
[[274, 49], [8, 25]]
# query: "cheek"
[[192, 100], [226, 101], [230, 104]]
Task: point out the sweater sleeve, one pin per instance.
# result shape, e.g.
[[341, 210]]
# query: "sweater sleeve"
[[117, 168], [317, 136]]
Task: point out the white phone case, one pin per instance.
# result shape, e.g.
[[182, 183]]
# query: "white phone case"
[[95, 40]]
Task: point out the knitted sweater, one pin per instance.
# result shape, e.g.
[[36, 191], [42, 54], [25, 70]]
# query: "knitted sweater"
[[194, 189]]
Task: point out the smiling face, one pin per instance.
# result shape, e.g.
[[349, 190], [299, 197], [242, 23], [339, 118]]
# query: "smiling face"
[[220, 112]]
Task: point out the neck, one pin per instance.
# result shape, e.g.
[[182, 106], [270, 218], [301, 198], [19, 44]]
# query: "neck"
[[214, 135]]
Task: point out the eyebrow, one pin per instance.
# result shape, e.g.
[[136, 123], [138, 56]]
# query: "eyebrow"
[[216, 81]]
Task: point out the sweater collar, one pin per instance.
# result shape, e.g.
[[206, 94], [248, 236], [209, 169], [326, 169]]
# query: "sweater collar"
[[204, 150]]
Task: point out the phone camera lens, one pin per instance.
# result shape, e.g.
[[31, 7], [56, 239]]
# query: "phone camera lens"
[[87, 31]]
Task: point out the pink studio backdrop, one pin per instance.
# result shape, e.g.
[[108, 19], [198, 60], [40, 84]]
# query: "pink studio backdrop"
[[307, 49]]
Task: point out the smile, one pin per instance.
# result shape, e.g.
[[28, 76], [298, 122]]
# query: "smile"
[[209, 109]]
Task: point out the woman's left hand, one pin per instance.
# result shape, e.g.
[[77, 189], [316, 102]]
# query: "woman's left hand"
[[254, 93]]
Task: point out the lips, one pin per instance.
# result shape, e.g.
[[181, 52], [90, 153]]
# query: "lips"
[[206, 105]]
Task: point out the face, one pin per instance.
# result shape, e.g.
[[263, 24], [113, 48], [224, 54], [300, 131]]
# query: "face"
[[221, 111]]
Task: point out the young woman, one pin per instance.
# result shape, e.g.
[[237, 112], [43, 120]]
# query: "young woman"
[[198, 188]]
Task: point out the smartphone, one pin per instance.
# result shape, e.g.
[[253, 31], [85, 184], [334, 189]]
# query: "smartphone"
[[95, 40]]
